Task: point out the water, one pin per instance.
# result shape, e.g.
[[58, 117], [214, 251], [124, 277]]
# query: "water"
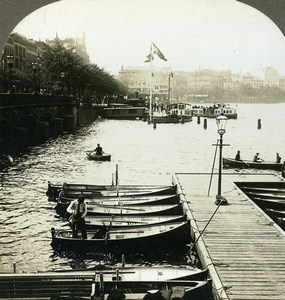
[[144, 156]]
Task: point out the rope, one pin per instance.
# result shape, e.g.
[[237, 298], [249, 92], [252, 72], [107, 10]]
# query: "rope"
[[214, 160]]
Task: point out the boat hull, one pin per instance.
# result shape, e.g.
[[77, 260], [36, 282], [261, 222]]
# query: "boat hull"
[[245, 164], [103, 157], [89, 190], [144, 239]]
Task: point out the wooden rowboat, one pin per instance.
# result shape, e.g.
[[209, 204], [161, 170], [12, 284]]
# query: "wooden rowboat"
[[96, 222], [269, 196], [275, 212], [74, 190], [63, 202], [141, 239], [164, 209], [269, 203], [94, 286], [264, 190], [232, 163], [93, 156]]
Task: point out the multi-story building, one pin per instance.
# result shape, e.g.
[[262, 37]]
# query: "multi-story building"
[[271, 77], [139, 81], [76, 44]]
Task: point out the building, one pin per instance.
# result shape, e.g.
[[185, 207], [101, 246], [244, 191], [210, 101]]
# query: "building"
[[271, 77], [76, 44]]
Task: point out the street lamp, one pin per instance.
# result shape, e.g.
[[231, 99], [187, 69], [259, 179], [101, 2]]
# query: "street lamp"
[[169, 76], [62, 75], [10, 61], [35, 68], [221, 121]]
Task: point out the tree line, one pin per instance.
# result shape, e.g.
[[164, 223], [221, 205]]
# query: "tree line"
[[61, 71]]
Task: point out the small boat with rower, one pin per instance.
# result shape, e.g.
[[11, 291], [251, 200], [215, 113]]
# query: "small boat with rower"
[[247, 164], [93, 156]]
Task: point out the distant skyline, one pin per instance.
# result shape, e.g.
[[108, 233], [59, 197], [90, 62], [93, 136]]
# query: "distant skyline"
[[207, 34]]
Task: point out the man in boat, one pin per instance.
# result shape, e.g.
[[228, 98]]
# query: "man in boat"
[[78, 211], [257, 158], [238, 156], [99, 150], [278, 158]]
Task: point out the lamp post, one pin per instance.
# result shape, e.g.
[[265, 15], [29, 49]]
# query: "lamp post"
[[221, 121], [35, 68], [169, 77], [10, 61], [62, 75]]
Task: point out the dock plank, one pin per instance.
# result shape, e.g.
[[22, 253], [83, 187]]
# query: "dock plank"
[[242, 247]]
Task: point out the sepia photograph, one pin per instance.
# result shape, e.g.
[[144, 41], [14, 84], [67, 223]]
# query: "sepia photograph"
[[142, 151]]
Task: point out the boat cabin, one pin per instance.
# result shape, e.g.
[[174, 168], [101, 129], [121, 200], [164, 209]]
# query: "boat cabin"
[[180, 109]]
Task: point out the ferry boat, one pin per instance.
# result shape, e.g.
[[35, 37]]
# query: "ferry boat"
[[214, 110], [176, 113], [125, 112]]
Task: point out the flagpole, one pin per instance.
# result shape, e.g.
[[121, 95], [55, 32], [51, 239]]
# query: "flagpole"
[[150, 85]]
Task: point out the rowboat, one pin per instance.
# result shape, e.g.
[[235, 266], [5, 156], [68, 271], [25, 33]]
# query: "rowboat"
[[93, 156], [269, 196], [163, 209], [232, 163], [79, 285], [63, 202], [73, 190], [269, 203], [275, 212], [95, 222], [142, 239], [275, 191]]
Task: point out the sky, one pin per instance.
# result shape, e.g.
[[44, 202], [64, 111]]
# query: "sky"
[[192, 34]]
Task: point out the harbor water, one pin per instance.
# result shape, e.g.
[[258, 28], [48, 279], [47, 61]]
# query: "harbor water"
[[143, 154]]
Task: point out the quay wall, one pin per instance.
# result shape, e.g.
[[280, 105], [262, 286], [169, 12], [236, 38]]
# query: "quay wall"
[[30, 119]]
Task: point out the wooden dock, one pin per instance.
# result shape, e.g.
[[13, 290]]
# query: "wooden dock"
[[242, 247]]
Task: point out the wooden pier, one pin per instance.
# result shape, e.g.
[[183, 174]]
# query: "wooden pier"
[[242, 247]]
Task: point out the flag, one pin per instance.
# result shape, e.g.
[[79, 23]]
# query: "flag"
[[154, 50], [158, 52]]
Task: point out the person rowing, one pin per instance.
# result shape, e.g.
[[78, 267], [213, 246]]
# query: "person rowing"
[[256, 158], [98, 150]]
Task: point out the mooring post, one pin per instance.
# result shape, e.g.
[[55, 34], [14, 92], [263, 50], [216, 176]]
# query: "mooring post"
[[259, 124], [198, 120], [205, 123], [14, 268], [117, 174], [101, 286], [123, 260]]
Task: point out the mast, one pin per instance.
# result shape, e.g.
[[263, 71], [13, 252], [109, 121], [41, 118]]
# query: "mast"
[[150, 85]]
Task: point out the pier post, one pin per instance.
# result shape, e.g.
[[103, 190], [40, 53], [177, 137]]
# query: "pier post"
[[14, 268], [123, 260], [259, 124], [198, 119], [205, 123], [101, 286]]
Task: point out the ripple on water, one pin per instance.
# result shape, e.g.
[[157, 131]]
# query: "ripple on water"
[[144, 156]]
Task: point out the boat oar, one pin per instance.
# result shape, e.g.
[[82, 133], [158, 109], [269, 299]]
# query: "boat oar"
[[245, 163]]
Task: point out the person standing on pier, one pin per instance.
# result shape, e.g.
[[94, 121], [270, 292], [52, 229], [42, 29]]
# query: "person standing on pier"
[[99, 150], [78, 211]]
